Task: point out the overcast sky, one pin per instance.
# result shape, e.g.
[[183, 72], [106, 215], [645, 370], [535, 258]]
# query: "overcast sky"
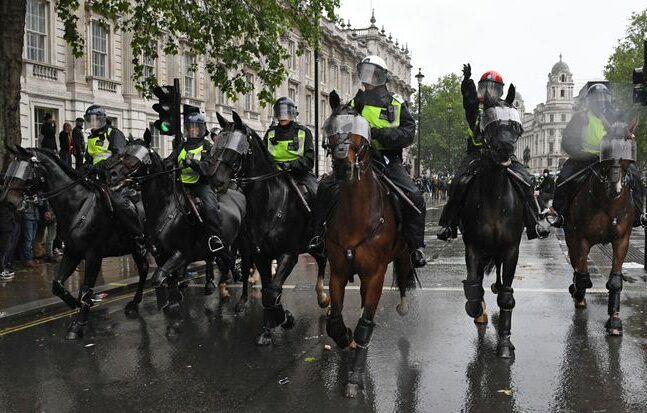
[[519, 38]]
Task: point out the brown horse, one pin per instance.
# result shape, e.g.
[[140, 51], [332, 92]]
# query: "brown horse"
[[601, 212], [362, 236]]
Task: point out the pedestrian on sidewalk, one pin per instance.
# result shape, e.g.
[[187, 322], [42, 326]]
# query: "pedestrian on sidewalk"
[[79, 143], [48, 222], [29, 228], [7, 224], [66, 143]]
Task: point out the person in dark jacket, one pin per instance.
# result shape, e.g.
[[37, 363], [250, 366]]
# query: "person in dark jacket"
[[66, 143], [48, 130], [546, 189], [489, 94], [291, 144], [392, 130], [79, 143], [7, 228]]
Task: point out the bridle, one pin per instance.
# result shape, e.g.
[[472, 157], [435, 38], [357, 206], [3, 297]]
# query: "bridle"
[[343, 143]]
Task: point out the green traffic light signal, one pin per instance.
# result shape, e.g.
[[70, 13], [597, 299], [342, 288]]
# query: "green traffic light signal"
[[164, 127]]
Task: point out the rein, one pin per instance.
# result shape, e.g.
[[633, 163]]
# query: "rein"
[[53, 194], [260, 178]]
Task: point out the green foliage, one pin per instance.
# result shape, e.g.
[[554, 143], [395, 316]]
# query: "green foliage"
[[441, 129], [628, 55], [234, 36]]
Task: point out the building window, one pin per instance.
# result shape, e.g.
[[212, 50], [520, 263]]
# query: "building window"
[[39, 117], [323, 70], [292, 59], [550, 161], [563, 117], [309, 109], [552, 118], [551, 147], [223, 98], [36, 30], [249, 97], [99, 50], [308, 58], [553, 92], [333, 76], [561, 93], [149, 66], [562, 78], [189, 75], [322, 111], [292, 94], [551, 132], [156, 142]]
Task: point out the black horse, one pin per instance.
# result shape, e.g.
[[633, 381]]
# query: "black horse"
[[85, 224], [172, 225], [492, 222], [279, 226]]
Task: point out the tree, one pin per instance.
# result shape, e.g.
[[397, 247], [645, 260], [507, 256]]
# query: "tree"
[[234, 36], [443, 131], [628, 55]]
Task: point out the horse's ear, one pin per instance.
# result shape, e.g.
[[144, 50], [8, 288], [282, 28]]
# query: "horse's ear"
[[148, 137], [334, 100], [512, 92], [221, 120], [237, 120]]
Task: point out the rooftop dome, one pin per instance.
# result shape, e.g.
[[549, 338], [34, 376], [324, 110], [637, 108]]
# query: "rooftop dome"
[[560, 67]]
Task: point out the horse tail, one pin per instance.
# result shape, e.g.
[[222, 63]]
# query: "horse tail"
[[491, 265], [404, 275]]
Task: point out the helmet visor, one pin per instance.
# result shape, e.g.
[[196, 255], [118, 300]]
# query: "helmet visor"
[[95, 121], [195, 130], [284, 111], [599, 102], [489, 90], [371, 74]]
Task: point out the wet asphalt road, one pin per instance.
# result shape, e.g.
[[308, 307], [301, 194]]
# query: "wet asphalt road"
[[433, 360]]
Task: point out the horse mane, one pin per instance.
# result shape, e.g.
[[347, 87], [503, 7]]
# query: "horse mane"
[[52, 155]]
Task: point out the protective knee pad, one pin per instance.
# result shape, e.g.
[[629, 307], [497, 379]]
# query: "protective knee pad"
[[271, 296], [582, 280], [363, 331], [336, 330], [505, 299], [474, 294], [614, 284]]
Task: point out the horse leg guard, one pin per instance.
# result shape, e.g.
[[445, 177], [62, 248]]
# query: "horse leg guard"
[[337, 330], [505, 300], [474, 294], [273, 312], [362, 338], [614, 323], [60, 291], [581, 281], [85, 296]]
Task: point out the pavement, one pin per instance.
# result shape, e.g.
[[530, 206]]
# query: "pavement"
[[433, 360]]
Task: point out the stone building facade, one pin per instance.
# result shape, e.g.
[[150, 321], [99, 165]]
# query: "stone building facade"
[[55, 82], [543, 128]]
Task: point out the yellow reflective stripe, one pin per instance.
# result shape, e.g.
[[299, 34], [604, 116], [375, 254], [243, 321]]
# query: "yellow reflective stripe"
[[281, 151], [593, 134], [99, 152]]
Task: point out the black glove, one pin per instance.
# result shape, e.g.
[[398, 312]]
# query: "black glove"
[[467, 71], [192, 163]]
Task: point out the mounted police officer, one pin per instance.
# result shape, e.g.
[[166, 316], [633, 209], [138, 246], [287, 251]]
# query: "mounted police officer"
[[103, 142], [392, 129], [581, 141], [291, 144], [192, 157], [489, 94], [546, 189]]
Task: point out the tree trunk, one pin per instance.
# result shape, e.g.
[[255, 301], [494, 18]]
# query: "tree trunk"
[[12, 32]]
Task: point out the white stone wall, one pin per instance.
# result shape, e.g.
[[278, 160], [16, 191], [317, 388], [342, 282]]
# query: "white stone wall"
[[65, 86]]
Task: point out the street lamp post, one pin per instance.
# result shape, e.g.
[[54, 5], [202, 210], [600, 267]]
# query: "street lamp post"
[[449, 137], [419, 77]]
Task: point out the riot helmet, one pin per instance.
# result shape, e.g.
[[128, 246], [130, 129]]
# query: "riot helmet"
[[95, 117], [598, 99], [285, 109], [195, 125], [490, 87], [372, 71]]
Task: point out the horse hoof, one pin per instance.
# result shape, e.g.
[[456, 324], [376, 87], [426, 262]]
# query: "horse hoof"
[[172, 331], [324, 301], [224, 293], [580, 304], [614, 326], [173, 310], [209, 287], [289, 321], [75, 332], [402, 309], [495, 288], [240, 307], [505, 352], [265, 339], [351, 391], [132, 309]]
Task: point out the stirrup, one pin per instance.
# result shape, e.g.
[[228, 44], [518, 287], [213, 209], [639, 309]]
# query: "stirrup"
[[215, 244], [316, 244]]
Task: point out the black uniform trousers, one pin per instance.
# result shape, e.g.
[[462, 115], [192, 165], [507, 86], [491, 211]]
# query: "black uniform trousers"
[[209, 208], [413, 224], [123, 205]]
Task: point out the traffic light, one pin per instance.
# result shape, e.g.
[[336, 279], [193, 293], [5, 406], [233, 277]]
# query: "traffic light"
[[640, 80], [168, 109]]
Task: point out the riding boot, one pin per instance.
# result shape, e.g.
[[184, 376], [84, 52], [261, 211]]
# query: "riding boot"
[[418, 258], [533, 229], [324, 202]]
